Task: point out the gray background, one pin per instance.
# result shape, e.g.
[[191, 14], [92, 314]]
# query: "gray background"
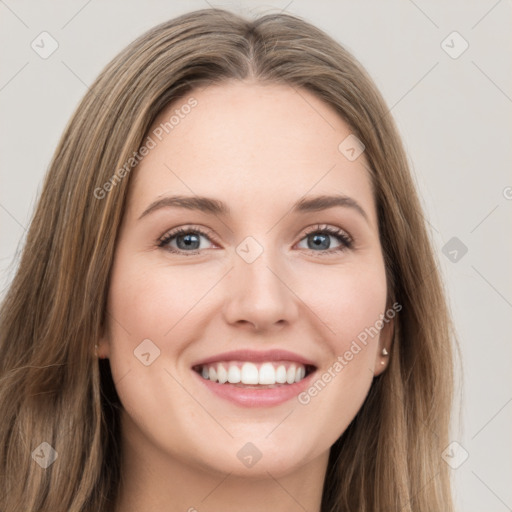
[[454, 115]]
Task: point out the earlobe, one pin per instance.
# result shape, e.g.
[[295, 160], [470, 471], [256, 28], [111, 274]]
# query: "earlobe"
[[385, 342], [101, 349]]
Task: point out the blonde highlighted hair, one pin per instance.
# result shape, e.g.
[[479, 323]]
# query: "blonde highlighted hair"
[[53, 389]]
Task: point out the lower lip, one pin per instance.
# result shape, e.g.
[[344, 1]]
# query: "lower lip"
[[256, 397]]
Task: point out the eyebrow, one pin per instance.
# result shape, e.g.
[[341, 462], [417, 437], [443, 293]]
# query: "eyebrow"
[[216, 207]]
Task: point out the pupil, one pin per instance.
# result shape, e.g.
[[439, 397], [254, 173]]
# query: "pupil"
[[187, 241], [321, 241]]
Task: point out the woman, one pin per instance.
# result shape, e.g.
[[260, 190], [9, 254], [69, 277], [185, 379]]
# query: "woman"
[[299, 357]]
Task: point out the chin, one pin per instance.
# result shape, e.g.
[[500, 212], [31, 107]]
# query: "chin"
[[258, 457]]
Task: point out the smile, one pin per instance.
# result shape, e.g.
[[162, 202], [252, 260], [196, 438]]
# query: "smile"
[[250, 378], [254, 374]]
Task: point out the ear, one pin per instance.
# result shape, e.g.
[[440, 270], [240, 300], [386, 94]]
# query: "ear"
[[385, 342], [102, 348]]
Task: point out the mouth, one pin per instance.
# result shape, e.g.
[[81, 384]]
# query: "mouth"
[[269, 374], [250, 379]]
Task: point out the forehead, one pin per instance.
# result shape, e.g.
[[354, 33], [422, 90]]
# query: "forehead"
[[242, 141]]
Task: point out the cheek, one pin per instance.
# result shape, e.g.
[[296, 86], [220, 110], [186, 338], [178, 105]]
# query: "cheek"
[[348, 302], [153, 302], [153, 313]]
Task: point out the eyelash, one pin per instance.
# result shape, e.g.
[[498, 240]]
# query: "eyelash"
[[345, 240]]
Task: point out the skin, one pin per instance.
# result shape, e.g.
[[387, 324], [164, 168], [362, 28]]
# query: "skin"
[[258, 148]]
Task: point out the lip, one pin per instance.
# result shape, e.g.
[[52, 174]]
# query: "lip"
[[256, 357], [262, 397]]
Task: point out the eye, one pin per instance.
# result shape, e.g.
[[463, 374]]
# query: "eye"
[[318, 239], [187, 240], [184, 240]]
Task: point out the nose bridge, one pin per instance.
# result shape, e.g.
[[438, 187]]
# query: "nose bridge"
[[258, 293]]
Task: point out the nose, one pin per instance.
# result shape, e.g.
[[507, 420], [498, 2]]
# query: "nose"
[[259, 295]]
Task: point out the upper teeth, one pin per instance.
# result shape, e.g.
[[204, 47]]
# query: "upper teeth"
[[251, 373]]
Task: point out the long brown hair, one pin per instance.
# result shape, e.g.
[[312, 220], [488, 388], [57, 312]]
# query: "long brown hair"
[[53, 390]]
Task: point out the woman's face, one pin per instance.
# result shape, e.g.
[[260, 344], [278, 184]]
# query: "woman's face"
[[252, 289]]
